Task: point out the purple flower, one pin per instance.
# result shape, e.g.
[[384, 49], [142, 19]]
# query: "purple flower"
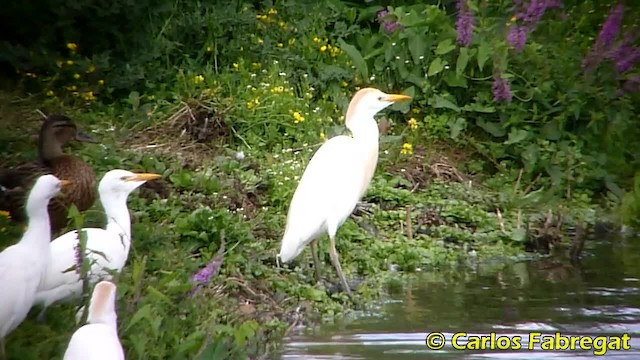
[[464, 23], [517, 37], [632, 84], [204, 275], [611, 26], [625, 63], [388, 23], [535, 10], [381, 15], [501, 89]]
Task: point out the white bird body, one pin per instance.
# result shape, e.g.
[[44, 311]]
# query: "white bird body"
[[23, 265], [107, 249], [98, 339], [335, 180]]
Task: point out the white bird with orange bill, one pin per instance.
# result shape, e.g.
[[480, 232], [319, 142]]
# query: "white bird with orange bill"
[[98, 339], [107, 249], [22, 265], [335, 180]]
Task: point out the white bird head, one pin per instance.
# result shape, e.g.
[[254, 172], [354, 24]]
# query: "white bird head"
[[45, 188], [367, 102], [102, 308], [123, 182]]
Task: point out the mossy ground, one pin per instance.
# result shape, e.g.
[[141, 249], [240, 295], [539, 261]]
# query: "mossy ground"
[[421, 213]]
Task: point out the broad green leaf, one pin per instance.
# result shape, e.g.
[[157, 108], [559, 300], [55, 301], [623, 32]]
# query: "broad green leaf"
[[492, 128], [438, 101], [519, 235], [416, 47], [463, 59], [454, 79], [484, 51], [356, 57], [445, 46], [516, 135], [551, 130], [477, 107], [456, 126], [437, 65]]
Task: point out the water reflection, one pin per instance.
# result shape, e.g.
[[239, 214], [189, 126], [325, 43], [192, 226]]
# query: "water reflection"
[[599, 297]]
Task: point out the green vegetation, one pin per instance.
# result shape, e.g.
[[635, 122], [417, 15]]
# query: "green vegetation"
[[505, 145]]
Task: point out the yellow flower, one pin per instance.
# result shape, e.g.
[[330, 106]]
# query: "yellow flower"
[[256, 65], [343, 83], [69, 62], [297, 117], [209, 49], [198, 79], [291, 41], [513, 19], [323, 137], [316, 40], [277, 89], [260, 41], [280, 45], [72, 46], [323, 48], [272, 11], [50, 93], [253, 103], [236, 66], [76, 76], [100, 82], [91, 69], [72, 88], [407, 149], [5, 214], [415, 110], [89, 96], [413, 123]]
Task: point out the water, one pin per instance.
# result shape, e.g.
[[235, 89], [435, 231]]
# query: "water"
[[599, 297]]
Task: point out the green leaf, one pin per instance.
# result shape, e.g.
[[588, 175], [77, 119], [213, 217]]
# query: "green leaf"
[[477, 107], [416, 47], [437, 65], [356, 57], [484, 51], [454, 79], [519, 235], [438, 101], [463, 59], [456, 126], [492, 128], [445, 47], [516, 135], [551, 130]]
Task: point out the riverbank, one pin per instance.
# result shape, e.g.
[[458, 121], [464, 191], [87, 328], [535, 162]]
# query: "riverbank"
[[424, 210]]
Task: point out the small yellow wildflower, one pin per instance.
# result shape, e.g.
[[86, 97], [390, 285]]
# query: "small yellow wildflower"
[[291, 41], [72, 88], [323, 48], [407, 149], [50, 93], [272, 11], [513, 19], [253, 103], [91, 69], [100, 82], [344, 83], [75, 93], [316, 40], [415, 110], [89, 96], [413, 123], [323, 137], [76, 76], [69, 62], [209, 49], [297, 117], [151, 97], [260, 41], [72, 46], [280, 44], [5, 214], [198, 79], [277, 89], [261, 17], [256, 65], [31, 75], [236, 66]]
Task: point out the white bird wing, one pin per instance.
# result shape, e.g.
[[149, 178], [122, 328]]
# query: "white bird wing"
[[328, 190], [94, 342], [19, 278], [104, 249]]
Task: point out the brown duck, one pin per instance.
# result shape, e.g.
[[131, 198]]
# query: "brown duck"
[[15, 183]]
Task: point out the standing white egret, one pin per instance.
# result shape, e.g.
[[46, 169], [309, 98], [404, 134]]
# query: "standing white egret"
[[98, 339], [22, 265], [335, 179], [107, 249]]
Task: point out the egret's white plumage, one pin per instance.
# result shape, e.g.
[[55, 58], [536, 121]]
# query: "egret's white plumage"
[[22, 265], [335, 179], [107, 249], [98, 339]]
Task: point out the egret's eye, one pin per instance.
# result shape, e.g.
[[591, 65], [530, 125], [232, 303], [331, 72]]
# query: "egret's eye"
[[124, 178], [379, 98]]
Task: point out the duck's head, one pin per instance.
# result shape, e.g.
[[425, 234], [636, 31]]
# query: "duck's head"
[[45, 188], [123, 182], [367, 102], [55, 133]]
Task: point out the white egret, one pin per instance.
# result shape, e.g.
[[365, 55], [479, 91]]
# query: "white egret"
[[107, 249], [98, 339], [22, 265], [335, 179]]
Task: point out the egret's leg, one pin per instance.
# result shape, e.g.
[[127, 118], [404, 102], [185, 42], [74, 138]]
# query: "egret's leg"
[[41, 315], [336, 264], [3, 354], [316, 261]]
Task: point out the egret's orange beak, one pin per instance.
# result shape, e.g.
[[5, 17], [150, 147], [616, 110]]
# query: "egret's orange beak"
[[397, 97], [65, 182], [143, 177]]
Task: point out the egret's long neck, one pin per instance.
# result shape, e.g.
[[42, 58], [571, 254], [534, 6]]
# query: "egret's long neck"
[[118, 219], [366, 134], [38, 234]]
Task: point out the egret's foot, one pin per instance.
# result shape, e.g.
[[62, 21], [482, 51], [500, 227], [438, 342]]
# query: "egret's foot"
[[42, 318], [335, 288]]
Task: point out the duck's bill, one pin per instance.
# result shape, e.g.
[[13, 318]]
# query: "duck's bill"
[[397, 97], [143, 177], [84, 137]]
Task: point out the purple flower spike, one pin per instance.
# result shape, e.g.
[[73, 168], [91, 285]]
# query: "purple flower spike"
[[388, 23], [204, 275], [625, 63], [611, 26], [517, 37], [501, 89], [464, 23]]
